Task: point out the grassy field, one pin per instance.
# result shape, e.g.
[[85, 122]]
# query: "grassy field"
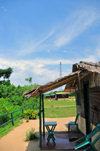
[[60, 108]]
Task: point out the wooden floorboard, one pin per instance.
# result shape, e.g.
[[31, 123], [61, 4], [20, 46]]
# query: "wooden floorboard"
[[63, 141]]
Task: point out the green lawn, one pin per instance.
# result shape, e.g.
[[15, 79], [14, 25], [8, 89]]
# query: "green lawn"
[[60, 108]]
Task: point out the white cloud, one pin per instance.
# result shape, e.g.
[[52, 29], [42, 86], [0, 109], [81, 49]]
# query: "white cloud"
[[81, 21], [35, 45], [37, 68], [89, 59], [67, 31]]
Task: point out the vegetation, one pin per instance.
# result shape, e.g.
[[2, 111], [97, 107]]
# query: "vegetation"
[[31, 135], [30, 114], [12, 99], [60, 108], [29, 79]]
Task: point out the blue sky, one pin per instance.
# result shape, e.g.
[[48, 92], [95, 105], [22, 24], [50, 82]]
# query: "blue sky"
[[36, 35]]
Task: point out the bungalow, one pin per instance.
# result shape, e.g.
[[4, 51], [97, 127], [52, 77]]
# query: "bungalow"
[[56, 95], [85, 79]]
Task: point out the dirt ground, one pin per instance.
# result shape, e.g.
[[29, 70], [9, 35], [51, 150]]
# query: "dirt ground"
[[14, 140]]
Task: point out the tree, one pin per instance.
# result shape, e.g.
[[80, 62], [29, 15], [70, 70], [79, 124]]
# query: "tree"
[[29, 79], [5, 73]]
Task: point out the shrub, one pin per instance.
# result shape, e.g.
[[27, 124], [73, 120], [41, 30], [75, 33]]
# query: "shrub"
[[30, 114], [3, 110], [4, 119], [31, 135]]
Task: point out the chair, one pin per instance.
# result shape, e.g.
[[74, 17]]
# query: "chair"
[[87, 140], [71, 123]]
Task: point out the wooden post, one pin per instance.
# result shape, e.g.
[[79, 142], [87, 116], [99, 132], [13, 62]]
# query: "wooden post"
[[43, 114], [40, 130], [12, 119]]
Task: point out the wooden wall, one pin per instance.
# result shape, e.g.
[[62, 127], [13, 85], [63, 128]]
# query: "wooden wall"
[[95, 105], [94, 97]]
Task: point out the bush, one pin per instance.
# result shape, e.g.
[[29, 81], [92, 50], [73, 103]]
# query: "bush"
[[31, 135], [4, 119], [30, 114], [3, 110]]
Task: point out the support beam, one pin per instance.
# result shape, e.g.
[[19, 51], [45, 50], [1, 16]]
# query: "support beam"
[[40, 122], [43, 114]]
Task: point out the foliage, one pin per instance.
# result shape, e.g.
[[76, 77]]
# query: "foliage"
[[29, 79], [31, 135], [5, 73], [5, 118], [30, 114], [11, 99]]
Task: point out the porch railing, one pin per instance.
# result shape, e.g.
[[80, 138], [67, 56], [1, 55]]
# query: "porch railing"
[[12, 119]]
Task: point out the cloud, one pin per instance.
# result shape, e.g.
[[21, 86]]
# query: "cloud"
[[61, 35], [80, 21], [37, 69], [35, 45]]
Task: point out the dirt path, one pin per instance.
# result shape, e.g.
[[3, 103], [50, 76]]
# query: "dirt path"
[[14, 140]]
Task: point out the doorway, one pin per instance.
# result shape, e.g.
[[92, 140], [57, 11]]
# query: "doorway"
[[87, 107]]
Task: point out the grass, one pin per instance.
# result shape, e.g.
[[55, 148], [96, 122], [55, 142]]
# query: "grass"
[[31, 135], [48, 103], [60, 108]]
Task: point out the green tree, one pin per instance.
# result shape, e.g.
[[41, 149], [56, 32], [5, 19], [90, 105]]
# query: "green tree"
[[5, 73], [29, 79]]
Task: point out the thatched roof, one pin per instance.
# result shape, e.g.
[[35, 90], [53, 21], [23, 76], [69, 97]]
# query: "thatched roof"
[[79, 71], [52, 85], [87, 66]]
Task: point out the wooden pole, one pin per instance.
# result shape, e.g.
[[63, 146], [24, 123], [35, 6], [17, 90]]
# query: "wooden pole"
[[40, 130], [43, 114]]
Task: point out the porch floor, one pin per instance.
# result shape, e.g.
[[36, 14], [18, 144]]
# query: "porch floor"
[[63, 141]]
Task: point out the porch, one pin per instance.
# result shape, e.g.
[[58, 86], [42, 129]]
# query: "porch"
[[63, 141]]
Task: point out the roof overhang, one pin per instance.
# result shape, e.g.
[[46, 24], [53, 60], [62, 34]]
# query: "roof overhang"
[[69, 79]]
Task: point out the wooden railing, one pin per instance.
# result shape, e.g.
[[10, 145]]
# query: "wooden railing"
[[12, 119]]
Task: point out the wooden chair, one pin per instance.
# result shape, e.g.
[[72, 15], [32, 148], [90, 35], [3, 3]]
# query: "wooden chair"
[[71, 123], [87, 140]]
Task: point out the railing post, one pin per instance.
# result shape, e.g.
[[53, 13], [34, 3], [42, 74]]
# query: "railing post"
[[40, 123], [43, 114], [12, 119]]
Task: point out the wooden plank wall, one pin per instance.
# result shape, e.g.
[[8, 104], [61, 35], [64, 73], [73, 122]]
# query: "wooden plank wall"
[[94, 95], [94, 98]]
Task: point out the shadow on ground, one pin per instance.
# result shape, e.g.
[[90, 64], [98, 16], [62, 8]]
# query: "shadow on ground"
[[33, 146]]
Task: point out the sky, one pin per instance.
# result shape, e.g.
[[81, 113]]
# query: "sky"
[[36, 35]]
